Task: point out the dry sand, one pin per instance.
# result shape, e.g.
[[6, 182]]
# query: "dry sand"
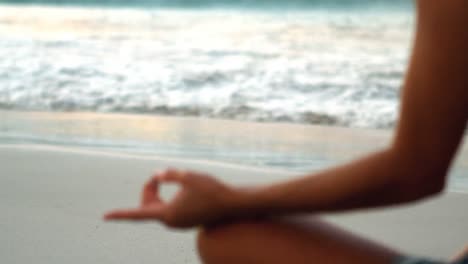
[[52, 199]]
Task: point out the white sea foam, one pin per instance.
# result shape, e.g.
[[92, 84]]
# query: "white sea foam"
[[310, 67]]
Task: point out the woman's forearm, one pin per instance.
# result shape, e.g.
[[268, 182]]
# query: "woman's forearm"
[[379, 179]]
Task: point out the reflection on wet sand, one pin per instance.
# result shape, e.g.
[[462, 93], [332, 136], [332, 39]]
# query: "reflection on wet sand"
[[280, 145], [326, 143]]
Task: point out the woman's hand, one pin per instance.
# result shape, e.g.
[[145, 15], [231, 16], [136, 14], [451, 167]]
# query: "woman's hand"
[[201, 200]]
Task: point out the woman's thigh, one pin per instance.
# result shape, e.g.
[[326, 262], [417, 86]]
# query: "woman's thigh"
[[287, 241]]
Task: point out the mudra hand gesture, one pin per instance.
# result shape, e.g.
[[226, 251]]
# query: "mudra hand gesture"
[[200, 200]]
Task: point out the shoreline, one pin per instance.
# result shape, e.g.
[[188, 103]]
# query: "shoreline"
[[279, 145], [128, 115], [286, 147], [151, 157], [133, 156]]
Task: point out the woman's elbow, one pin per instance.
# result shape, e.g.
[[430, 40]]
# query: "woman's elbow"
[[418, 174], [421, 184]]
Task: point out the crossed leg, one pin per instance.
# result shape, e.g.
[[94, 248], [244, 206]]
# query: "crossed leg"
[[287, 241]]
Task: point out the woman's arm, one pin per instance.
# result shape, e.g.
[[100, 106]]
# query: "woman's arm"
[[434, 113], [433, 117]]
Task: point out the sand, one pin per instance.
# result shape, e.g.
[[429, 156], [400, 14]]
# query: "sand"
[[52, 200]]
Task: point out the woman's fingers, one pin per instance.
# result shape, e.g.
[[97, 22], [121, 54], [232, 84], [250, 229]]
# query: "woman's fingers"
[[151, 205], [135, 214], [149, 193]]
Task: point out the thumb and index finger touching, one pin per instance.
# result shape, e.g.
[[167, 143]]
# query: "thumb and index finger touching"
[[151, 204], [150, 192]]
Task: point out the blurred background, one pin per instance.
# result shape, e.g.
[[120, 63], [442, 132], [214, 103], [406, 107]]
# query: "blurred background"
[[307, 83], [314, 62]]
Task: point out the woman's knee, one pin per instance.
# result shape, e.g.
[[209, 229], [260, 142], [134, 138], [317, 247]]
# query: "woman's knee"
[[220, 243], [281, 241]]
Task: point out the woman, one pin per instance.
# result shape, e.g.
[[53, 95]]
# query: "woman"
[[415, 165]]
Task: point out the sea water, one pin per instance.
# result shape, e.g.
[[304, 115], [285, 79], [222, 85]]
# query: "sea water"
[[315, 62]]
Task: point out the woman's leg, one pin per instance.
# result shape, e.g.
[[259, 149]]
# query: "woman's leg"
[[287, 242]]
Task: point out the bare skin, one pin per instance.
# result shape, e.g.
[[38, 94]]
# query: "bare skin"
[[414, 166]]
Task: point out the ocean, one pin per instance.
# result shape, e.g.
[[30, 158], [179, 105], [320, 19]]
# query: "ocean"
[[316, 62]]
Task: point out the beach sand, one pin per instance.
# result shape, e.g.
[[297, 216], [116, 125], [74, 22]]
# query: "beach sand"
[[52, 200]]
